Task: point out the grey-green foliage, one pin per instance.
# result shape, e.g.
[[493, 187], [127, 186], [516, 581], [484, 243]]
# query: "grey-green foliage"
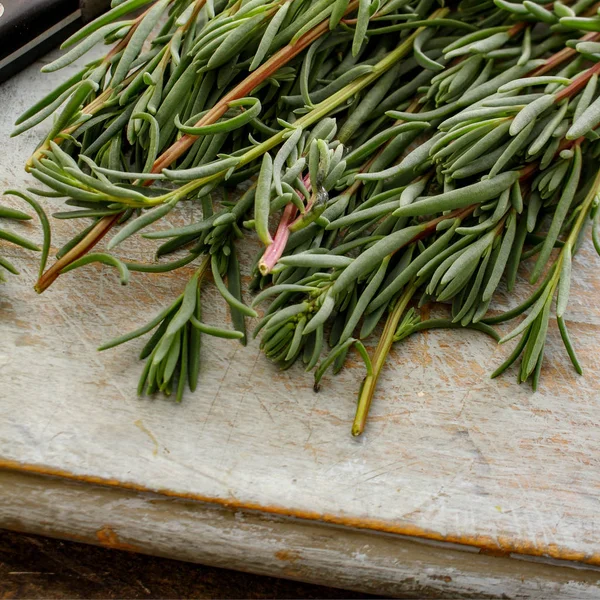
[[431, 173]]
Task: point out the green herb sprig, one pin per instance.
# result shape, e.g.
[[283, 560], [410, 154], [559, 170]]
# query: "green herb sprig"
[[398, 152]]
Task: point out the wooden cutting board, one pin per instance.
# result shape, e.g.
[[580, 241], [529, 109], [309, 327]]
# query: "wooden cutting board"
[[460, 486]]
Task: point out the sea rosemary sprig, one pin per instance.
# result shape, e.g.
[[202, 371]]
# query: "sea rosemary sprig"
[[406, 152]]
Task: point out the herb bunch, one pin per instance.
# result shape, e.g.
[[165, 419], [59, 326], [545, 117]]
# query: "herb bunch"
[[405, 152]]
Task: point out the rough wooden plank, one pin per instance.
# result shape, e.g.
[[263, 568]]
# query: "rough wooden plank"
[[449, 455], [290, 548]]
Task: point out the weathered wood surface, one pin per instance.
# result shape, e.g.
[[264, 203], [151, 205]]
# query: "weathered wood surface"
[[448, 455]]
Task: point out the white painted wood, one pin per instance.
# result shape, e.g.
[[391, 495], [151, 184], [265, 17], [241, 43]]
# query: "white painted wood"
[[448, 454], [291, 548]]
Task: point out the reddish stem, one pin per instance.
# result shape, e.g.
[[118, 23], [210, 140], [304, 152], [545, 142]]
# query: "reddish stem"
[[275, 250], [563, 55], [516, 28], [460, 213], [578, 83], [101, 228]]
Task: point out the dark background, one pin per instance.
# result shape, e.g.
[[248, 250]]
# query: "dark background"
[[38, 567]]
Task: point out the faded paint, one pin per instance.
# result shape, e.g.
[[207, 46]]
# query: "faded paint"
[[500, 546]]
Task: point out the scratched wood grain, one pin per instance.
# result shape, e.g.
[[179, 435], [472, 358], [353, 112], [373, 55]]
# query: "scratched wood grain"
[[448, 454]]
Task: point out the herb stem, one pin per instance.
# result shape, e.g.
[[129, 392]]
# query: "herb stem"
[[386, 340], [563, 55], [101, 228]]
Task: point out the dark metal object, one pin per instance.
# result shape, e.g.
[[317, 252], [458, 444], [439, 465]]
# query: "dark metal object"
[[30, 28]]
